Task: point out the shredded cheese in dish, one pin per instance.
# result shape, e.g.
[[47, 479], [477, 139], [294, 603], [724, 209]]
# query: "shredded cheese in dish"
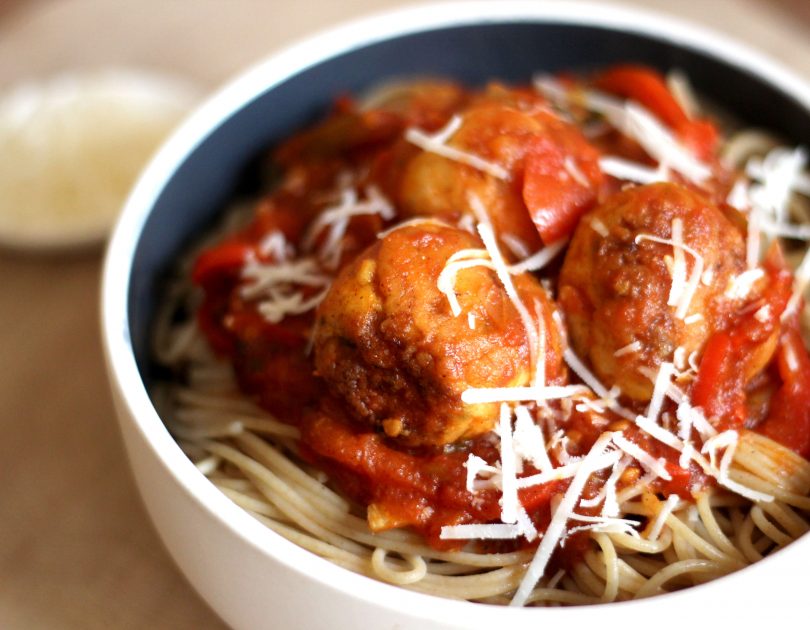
[[529, 345]]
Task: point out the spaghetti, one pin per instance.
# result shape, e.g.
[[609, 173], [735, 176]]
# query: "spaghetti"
[[562, 460]]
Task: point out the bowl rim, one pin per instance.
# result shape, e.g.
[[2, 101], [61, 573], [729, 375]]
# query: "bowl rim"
[[288, 61]]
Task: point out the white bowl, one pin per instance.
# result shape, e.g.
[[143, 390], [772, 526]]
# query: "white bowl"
[[251, 576]]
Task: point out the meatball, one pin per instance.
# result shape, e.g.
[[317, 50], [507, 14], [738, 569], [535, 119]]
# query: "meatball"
[[615, 282], [549, 174], [388, 344]]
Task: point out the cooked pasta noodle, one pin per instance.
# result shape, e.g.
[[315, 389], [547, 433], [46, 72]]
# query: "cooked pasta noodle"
[[652, 544], [264, 477]]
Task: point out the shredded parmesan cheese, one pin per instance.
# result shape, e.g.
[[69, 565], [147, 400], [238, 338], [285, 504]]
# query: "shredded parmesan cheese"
[[584, 373], [487, 235], [678, 264], [480, 395], [790, 358], [784, 230], [581, 370], [661, 517], [556, 528], [437, 143], [571, 167], [659, 433], [275, 246], [568, 470], [599, 227], [662, 382], [738, 196], [529, 442], [494, 531], [763, 314], [777, 175], [678, 84], [650, 463], [694, 278], [685, 416], [635, 122], [801, 279], [475, 466], [739, 287], [631, 348], [463, 259], [620, 168], [611, 504], [539, 259], [267, 276], [602, 524], [679, 358], [515, 245], [608, 106], [525, 525], [410, 223], [337, 218], [272, 285], [509, 497], [728, 441], [660, 144], [467, 258]]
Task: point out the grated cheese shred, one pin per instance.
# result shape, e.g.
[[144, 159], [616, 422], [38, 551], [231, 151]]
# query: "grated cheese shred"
[[280, 288], [529, 441], [621, 168], [599, 227], [556, 528], [487, 235], [633, 347], [272, 285], [337, 217], [480, 395], [661, 518], [437, 143], [635, 122], [654, 465], [509, 497], [688, 293], [678, 264], [463, 259], [740, 286], [801, 280]]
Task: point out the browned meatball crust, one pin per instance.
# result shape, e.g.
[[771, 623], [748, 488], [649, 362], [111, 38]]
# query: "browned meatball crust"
[[615, 282], [389, 346]]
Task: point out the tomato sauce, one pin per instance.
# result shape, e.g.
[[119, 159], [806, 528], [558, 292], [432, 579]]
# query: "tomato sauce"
[[423, 487]]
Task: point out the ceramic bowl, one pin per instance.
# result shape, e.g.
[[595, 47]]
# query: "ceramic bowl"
[[248, 574]]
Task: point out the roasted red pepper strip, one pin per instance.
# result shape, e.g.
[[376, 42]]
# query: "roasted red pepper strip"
[[719, 387], [788, 421], [555, 197], [720, 384], [647, 87], [224, 260], [701, 136]]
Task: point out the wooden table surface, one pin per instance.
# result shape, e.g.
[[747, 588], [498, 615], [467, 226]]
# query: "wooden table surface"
[[76, 547]]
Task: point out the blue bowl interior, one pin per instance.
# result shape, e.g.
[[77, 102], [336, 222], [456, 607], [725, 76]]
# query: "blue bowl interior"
[[217, 169]]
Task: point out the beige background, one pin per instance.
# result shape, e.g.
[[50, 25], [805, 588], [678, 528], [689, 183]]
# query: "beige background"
[[76, 548]]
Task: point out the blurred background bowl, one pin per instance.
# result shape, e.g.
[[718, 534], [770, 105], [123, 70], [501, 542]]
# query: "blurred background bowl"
[[248, 574]]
